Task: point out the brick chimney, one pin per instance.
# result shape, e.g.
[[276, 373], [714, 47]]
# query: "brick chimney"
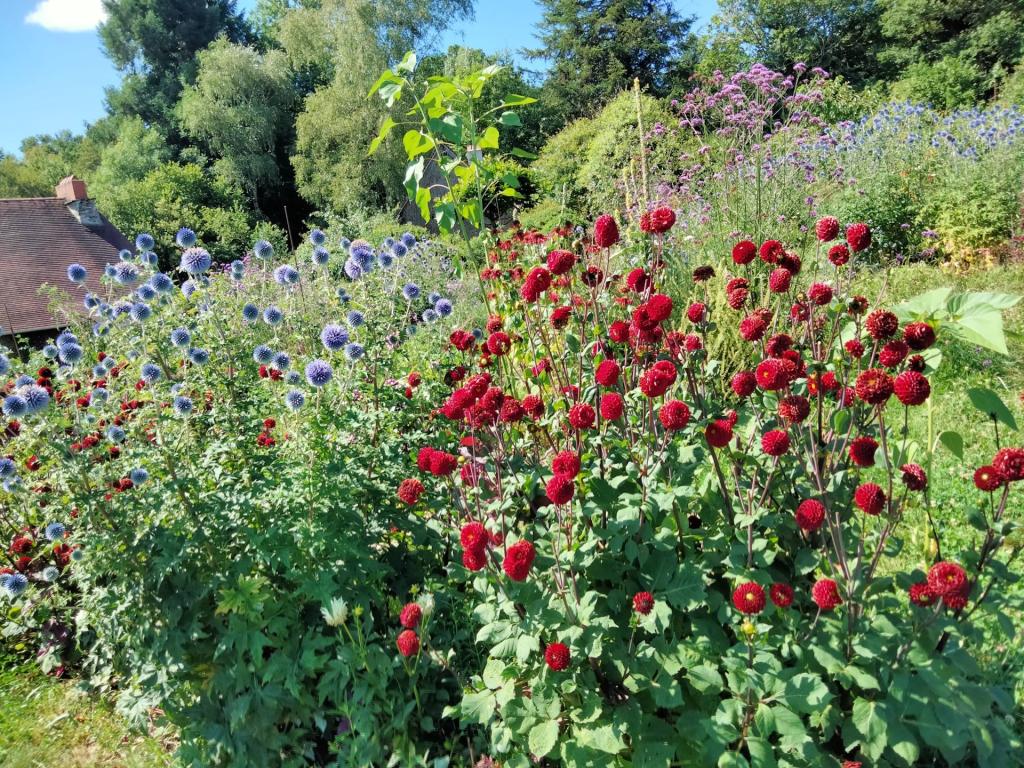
[[74, 193]]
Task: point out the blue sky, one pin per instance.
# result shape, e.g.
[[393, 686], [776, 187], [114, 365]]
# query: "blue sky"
[[55, 71]]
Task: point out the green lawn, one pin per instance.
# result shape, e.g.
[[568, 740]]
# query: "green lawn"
[[46, 723]]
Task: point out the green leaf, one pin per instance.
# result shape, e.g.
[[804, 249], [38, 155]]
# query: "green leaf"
[[408, 63], [924, 305], [604, 738], [989, 403], [516, 100], [954, 442], [806, 692], [510, 119], [543, 737], [385, 129], [387, 78], [489, 139], [478, 707], [416, 143], [705, 678], [982, 328], [517, 152], [869, 723]]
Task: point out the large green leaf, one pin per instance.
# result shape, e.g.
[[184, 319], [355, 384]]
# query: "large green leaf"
[[416, 143], [385, 129], [543, 737], [989, 403]]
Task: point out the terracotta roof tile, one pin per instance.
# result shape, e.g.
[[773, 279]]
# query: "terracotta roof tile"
[[39, 238]]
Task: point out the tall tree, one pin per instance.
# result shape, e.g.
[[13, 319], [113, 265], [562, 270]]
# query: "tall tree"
[[154, 43], [597, 47]]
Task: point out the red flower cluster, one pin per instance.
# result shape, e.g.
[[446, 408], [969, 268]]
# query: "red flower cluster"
[[810, 514], [436, 462], [518, 560], [658, 221], [656, 380], [606, 231], [410, 490]]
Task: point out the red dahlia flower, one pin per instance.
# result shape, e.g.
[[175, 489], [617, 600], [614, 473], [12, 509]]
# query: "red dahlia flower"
[[820, 294], [675, 414], [827, 228], [409, 490], [408, 643], [946, 578], [779, 280], [919, 336], [697, 312], [581, 416], [870, 498], [825, 594], [858, 236], [862, 451], [607, 373], [656, 380], [518, 560], [744, 383], [718, 433], [914, 477], [749, 598], [752, 328], [611, 406], [556, 656], [921, 594], [473, 536], [771, 251], [660, 220], [782, 595], [912, 388], [560, 262], [775, 442], [659, 307], [410, 616], [771, 374], [606, 231], [618, 331], [810, 515], [643, 602], [794, 408], [839, 255], [893, 353], [560, 490], [498, 343], [1009, 463], [881, 324], [874, 386], [566, 463], [534, 406], [474, 559], [744, 252], [987, 478]]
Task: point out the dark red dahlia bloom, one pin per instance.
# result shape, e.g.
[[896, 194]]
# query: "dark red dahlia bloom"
[[607, 373], [703, 273], [921, 594], [556, 656], [987, 478], [737, 298], [771, 374], [498, 343], [409, 490], [874, 386], [675, 414], [862, 451], [560, 489], [752, 328], [1009, 463], [946, 578], [511, 411], [778, 345], [912, 388], [791, 262], [744, 252], [882, 324], [618, 331], [566, 463], [643, 602], [518, 560], [442, 463], [656, 380], [919, 336], [473, 536], [718, 433], [794, 408], [749, 598], [914, 477], [825, 594], [957, 600], [659, 307], [581, 416], [779, 280], [697, 312], [893, 353], [408, 643], [820, 294], [858, 236], [839, 255], [606, 231], [810, 515], [560, 317], [661, 220], [534, 406], [827, 228], [781, 595], [870, 498], [474, 559], [410, 616], [775, 442], [771, 251], [611, 406], [560, 262], [744, 383], [638, 281]]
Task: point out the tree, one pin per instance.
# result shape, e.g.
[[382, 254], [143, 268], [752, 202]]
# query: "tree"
[[240, 109], [597, 47], [154, 42]]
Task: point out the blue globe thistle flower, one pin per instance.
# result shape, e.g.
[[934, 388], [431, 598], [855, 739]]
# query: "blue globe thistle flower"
[[344, 243], [411, 291], [144, 241], [78, 554], [138, 475], [36, 398], [294, 399], [282, 361], [14, 406], [399, 250], [195, 261], [126, 273], [343, 296], [250, 313], [24, 380], [99, 396], [90, 301], [360, 250], [320, 256], [115, 434], [317, 237], [433, 297], [150, 373], [443, 307], [11, 484], [77, 273], [319, 372], [293, 377], [7, 467], [5, 364], [109, 363], [185, 238], [354, 351], [272, 315], [122, 307], [125, 255], [70, 353], [429, 315], [199, 356], [98, 371], [408, 239], [183, 405], [263, 250], [356, 318], [14, 584], [353, 270], [140, 312], [388, 242], [146, 292], [478, 333], [188, 288], [50, 573], [237, 269], [286, 274], [386, 261], [263, 354], [54, 532], [149, 257], [50, 352], [334, 337], [180, 337], [110, 270], [161, 283]]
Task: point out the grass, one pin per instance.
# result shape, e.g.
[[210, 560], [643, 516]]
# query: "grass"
[[46, 723]]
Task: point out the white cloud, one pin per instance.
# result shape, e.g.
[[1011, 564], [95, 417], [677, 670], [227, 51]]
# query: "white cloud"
[[68, 15]]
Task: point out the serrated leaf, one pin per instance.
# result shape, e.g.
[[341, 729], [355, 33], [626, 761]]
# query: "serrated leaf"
[[604, 738], [543, 737]]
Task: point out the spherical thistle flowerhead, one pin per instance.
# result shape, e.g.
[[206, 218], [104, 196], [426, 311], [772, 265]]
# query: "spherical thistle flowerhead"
[[14, 406], [443, 307], [263, 249], [146, 292], [7, 467], [180, 337], [318, 373], [411, 291], [410, 490], [54, 532], [946, 578], [862, 451], [354, 351], [144, 241], [839, 255], [334, 337], [273, 316], [810, 515], [77, 273], [263, 354], [643, 603], [195, 261], [912, 388], [819, 294], [874, 386], [779, 280], [150, 373], [188, 288], [115, 434], [282, 361], [408, 643], [518, 560], [566, 463], [352, 269], [919, 336], [317, 237], [36, 398], [749, 598], [611, 406], [988, 479], [914, 477], [827, 229], [560, 489], [183, 406], [70, 353], [882, 324], [138, 476], [781, 595], [858, 236], [674, 415], [410, 616], [286, 274], [581, 416], [825, 594], [185, 238], [1009, 463], [606, 231], [161, 283], [126, 274], [775, 442], [294, 400], [14, 584], [869, 498]]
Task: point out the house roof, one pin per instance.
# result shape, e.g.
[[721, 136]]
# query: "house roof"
[[39, 238]]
